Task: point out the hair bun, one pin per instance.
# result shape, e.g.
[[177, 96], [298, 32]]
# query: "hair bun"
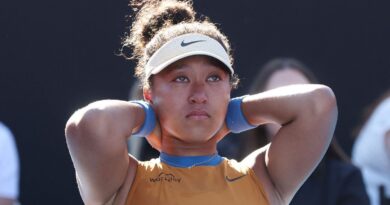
[[154, 15]]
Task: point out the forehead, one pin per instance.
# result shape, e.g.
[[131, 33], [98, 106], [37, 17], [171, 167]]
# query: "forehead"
[[195, 61], [285, 77]]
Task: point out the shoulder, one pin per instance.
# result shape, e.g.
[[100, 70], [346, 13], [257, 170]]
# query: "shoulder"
[[256, 160], [236, 166], [256, 164], [121, 195], [150, 165]]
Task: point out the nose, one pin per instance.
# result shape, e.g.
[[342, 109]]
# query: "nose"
[[198, 93]]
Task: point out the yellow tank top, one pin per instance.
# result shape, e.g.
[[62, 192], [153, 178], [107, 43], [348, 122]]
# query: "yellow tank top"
[[227, 183]]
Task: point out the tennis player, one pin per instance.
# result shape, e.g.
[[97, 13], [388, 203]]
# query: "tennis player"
[[185, 67]]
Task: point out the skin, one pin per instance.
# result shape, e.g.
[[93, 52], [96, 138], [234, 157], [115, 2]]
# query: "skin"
[[187, 100], [197, 93], [284, 77]]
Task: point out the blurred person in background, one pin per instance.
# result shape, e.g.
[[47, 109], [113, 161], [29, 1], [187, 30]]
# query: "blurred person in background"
[[9, 168], [335, 181], [371, 151]]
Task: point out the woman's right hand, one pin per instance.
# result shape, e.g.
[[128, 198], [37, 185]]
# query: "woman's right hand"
[[155, 139]]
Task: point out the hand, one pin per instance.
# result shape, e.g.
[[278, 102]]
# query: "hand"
[[155, 139], [222, 132]]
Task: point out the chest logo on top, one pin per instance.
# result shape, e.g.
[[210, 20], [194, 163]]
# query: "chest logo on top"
[[164, 177], [234, 179]]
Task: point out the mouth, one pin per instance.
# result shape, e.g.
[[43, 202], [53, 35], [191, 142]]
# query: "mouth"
[[198, 115]]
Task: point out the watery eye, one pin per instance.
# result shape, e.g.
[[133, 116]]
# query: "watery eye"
[[214, 78], [181, 79]]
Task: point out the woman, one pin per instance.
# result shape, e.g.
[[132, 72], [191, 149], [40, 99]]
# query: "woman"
[[186, 71], [371, 151], [335, 181]]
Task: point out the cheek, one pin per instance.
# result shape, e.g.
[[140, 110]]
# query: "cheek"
[[158, 93], [163, 95], [166, 102], [221, 91], [219, 99]]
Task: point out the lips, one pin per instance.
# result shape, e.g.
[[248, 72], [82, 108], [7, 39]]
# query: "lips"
[[198, 115]]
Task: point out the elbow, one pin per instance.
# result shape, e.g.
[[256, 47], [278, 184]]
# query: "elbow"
[[70, 129], [324, 101], [325, 111]]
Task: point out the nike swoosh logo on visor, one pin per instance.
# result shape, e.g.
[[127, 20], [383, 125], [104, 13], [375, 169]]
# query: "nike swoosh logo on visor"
[[234, 179], [183, 44]]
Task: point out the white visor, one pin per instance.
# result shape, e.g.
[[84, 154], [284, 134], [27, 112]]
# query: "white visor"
[[184, 46]]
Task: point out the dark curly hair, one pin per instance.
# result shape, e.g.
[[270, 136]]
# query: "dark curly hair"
[[157, 21]]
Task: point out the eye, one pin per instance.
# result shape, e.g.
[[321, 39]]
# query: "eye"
[[213, 78], [181, 79]]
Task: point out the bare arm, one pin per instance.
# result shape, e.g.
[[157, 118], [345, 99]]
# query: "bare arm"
[[96, 136], [308, 116]]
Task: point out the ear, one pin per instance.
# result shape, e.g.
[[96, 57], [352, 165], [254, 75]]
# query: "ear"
[[147, 92]]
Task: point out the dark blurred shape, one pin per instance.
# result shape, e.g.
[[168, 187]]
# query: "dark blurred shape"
[[371, 151]]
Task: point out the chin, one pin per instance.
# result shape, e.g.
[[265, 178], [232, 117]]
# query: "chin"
[[192, 132], [199, 135]]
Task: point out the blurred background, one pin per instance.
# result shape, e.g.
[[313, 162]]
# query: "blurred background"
[[57, 56]]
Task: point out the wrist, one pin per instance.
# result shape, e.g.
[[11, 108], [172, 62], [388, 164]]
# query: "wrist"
[[149, 123], [235, 119]]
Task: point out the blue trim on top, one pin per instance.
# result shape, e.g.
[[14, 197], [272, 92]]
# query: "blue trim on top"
[[189, 161]]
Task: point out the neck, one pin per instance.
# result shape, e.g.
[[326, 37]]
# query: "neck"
[[192, 150], [177, 146]]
